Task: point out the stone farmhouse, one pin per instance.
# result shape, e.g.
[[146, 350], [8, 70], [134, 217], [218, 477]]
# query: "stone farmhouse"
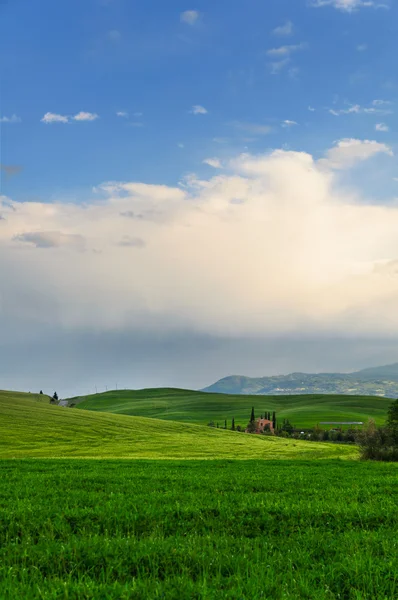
[[262, 425]]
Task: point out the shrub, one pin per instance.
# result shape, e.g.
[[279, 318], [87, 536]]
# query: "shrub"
[[378, 443]]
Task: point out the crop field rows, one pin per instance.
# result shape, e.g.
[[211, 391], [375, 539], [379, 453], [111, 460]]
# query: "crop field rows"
[[116, 530]]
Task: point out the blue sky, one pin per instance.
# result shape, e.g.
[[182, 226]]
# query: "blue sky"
[[108, 56], [190, 190]]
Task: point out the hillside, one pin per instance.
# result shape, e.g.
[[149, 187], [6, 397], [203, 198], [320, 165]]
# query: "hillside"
[[200, 407], [375, 381], [30, 429]]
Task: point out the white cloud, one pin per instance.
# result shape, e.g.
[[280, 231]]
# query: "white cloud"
[[381, 102], [213, 162], [362, 47], [12, 119], [382, 127], [190, 17], [123, 114], [50, 118], [198, 110], [347, 5], [286, 29], [348, 152], [284, 51], [283, 58], [358, 109], [277, 66], [254, 128], [288, 123], [180, 145], [311, 109], [85, 116], [191, 259]]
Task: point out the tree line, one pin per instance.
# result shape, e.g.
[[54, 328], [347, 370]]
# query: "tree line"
[[375, 443]]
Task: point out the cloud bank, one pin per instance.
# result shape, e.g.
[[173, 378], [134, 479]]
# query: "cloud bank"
[[272, 246]]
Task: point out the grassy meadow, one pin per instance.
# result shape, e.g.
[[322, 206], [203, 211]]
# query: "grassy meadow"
[[222, 515], [37, 429], [214, 530], [201, 408]]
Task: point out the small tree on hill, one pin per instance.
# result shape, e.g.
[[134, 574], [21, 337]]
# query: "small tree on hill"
[[225, 424], [41, 392], [274, 420], [55, 397], [233, 424], [252, 417]]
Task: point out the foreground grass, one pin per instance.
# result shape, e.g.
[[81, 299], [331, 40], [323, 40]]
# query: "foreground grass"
[[35, 429], [199, 407], [246, 530]]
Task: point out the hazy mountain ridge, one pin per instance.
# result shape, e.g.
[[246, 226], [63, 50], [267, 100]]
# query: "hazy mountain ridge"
[[374, 381]]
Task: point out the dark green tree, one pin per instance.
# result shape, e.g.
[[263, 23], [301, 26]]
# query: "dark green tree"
[[392, 415], [252, 417], [287, 426], [233, 424], [55, 396], [251, 428], [274, 420], [41, 392], [225, 424]]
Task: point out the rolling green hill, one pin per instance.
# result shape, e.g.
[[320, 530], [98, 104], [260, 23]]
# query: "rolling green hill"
[[200, 407], [31, 429]]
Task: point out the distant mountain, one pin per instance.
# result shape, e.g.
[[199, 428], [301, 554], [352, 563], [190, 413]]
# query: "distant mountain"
[[375, 381]]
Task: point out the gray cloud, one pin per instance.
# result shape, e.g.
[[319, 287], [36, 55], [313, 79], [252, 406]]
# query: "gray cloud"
[[51, 239], [227, 283], [74, 363], [132, 242], [130, 214]]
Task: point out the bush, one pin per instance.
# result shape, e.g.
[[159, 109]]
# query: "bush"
[[378, 443]]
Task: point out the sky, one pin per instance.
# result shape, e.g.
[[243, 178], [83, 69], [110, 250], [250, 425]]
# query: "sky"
[[194, 190]]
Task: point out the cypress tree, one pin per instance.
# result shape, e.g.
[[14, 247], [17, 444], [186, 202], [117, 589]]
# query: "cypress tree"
[[274, 420], [225, 424], [252, 417], [233, 424]]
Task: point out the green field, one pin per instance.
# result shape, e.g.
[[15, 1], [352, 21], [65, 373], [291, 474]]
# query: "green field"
[[198, 407], [29, 428], [211, 530], [302, 524]]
